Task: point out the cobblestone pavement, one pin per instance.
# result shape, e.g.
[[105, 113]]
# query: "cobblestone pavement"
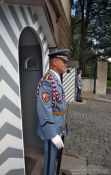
[[89, 125]]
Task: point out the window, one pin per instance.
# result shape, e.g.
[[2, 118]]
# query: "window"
[[31, 63]]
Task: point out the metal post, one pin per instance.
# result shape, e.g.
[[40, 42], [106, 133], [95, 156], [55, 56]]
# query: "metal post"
[[95, 76]]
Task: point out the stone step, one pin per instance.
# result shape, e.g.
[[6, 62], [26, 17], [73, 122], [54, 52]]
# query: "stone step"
[[33, 160], [38, 167], [73, 166]]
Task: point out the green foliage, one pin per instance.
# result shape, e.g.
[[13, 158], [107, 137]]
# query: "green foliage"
[[109, 72], [89, 55], [89, 72], [108, 83], [91, 30], [75, 39]]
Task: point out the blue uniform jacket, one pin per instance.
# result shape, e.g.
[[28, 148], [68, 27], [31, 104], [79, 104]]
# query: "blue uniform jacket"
[[50, 125]]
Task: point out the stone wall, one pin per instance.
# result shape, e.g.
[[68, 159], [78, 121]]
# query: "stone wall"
[[101, 81], [67, 6], [88, 85]]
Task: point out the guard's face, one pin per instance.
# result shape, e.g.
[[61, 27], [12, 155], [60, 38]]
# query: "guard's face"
[[62, 65], [81, 72]]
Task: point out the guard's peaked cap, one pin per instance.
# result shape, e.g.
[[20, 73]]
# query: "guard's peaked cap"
[[63, 54]]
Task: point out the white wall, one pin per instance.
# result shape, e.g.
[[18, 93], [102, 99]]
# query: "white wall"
[[69, 85], [13, 19]]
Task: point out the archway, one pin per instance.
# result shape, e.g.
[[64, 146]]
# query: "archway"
[[30, 66]]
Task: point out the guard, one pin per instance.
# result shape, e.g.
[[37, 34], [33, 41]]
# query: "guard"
[[51, 109]]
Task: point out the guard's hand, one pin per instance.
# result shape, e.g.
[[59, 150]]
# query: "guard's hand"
[[57, 141], [80, 88]]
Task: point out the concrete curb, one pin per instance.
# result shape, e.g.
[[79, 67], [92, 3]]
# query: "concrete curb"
[[91, 96], [97, 99]]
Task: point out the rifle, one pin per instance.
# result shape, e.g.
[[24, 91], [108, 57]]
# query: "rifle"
[[59, 158], [61, 150]]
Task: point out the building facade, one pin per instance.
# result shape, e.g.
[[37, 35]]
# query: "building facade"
[[29, 30]]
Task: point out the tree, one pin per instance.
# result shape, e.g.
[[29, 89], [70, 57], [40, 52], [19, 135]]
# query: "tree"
[[89, 28]]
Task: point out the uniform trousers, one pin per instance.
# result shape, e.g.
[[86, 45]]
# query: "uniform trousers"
[[50, 157], [78, 94]]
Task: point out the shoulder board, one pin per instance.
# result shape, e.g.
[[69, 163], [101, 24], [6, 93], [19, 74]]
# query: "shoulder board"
[[47, 77]]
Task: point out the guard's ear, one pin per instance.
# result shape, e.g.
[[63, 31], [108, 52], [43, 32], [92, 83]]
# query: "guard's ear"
[[55, 61]]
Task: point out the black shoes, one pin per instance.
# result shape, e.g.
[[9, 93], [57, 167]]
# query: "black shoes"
[[79, 100]]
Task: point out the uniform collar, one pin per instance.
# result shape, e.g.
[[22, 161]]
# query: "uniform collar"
[[56, 74]]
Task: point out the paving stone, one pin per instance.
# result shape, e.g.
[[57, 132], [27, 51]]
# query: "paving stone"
[[90, 132]]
